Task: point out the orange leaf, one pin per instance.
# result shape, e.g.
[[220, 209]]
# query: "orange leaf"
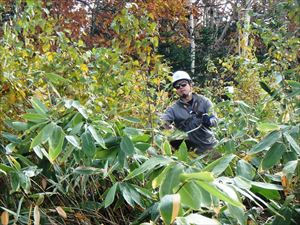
[[4, 218]]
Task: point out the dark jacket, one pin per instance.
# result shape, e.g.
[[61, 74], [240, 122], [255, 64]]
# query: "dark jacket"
[[187, 116]]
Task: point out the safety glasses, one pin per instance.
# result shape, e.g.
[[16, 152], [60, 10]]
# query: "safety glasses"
[[177, 86]]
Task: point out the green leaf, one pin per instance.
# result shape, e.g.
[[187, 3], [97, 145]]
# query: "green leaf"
[[6, 168], [159, 179], [203, 176], [171, 180], [85, 170], [35, 117], [210, 188], [182, 153], [110, 197], [267, 127], [127, 146], [188, 193], [169, 208], [244, 169], [73, 140], [99, 140], [56, 142], [56, 79], [43, 135], [149, 165], [267, 185], [88, 145], [238, 213], [219, 166], [38, 106], [270, 191], [269, 140], [167, 148], [273, 155], [131, 119], [292, 142], [19, 126], [289, 167], [196, 219], [127, 194]]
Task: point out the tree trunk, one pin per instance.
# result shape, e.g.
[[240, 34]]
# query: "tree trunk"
[[192, 38]]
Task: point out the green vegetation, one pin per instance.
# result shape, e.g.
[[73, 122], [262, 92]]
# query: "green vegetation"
[[80, 140]]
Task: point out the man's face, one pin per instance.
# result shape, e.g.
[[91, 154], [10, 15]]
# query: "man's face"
[[183, 88]]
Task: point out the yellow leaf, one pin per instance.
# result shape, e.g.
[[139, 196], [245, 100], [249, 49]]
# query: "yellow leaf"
[[61, 212], [4, 218], [84, 67], [49, 56], [11, 98]]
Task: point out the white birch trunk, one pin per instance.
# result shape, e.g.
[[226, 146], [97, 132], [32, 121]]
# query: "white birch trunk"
[[192, 38]]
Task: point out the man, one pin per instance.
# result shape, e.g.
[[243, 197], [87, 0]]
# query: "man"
[[191, 114]]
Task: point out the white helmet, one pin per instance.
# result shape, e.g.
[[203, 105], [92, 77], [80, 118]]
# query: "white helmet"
[[180, 75]]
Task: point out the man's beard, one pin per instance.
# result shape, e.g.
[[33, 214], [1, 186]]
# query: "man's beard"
[[186, 95]]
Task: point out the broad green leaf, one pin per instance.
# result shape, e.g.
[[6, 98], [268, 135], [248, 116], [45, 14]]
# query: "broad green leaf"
[[292, 142], [219, 166], [56, 79], [149, 165], [270, 191], [267, 127], [189, 191], [142, 146], [110, 197], [196, 219], [11, 137], [43, 135], [238, 213], [35, 117], [210, 188], [38, 106], [15, 181], [267, 185], [167, 150], [273, 155], [86, 170], [5, 168], [126, 194], [171, 180], [289, 167], [80, 109], [19, 126], [56, 142], [73, 140], [88, 145], [269, 140], [156, 182], [135, 195], [99, 140], [131, 119], [169, 208], [127, 146], [182, 153], [245, 169], [203, 176]]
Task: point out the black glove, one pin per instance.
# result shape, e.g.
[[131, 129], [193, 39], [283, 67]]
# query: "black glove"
[[206, 120]]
